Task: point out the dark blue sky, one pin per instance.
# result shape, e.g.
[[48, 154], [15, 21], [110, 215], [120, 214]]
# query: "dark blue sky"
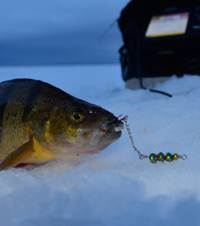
[[59, 32]]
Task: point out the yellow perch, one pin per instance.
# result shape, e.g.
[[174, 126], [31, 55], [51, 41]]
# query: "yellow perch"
[[39, 123]]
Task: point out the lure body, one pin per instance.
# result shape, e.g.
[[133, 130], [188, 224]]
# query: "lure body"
[[39, 123]]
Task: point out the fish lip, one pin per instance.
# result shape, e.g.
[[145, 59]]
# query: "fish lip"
[[111, 118], [112, 125]]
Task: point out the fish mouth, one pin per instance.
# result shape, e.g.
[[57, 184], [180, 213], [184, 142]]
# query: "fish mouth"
[[111, 125], [108, 131]]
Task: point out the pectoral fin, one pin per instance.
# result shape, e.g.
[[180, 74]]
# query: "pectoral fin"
[[17, 156]]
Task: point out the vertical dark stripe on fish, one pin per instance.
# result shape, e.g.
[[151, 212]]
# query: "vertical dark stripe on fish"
[[31, 101], [6, 93]]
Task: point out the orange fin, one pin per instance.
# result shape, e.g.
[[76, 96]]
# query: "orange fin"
[[17, 156]]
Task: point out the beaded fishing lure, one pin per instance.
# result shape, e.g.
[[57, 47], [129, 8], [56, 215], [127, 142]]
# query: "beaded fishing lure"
[[152, 157]]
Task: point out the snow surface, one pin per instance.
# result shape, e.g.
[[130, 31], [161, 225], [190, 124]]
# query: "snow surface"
[[114, 187]]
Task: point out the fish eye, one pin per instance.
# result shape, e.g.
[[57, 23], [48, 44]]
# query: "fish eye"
[[76, 115]]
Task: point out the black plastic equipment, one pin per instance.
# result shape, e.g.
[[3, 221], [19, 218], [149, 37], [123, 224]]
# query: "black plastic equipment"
[[161, 38]]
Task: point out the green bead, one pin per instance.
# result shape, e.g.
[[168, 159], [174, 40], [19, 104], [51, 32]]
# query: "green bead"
[[161, 157], [153, 158], [168, 157]]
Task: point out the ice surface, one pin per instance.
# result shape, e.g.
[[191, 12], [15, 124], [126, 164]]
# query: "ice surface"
[[114, 187]]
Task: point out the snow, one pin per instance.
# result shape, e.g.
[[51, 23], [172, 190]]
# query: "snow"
[[114, 187]]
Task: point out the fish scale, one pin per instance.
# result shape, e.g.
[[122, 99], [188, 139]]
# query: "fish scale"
[[12, 124]]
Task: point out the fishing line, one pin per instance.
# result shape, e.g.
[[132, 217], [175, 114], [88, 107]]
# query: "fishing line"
[[106, 31]]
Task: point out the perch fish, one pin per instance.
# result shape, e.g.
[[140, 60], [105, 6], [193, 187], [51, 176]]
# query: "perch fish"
[[40, 123]]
